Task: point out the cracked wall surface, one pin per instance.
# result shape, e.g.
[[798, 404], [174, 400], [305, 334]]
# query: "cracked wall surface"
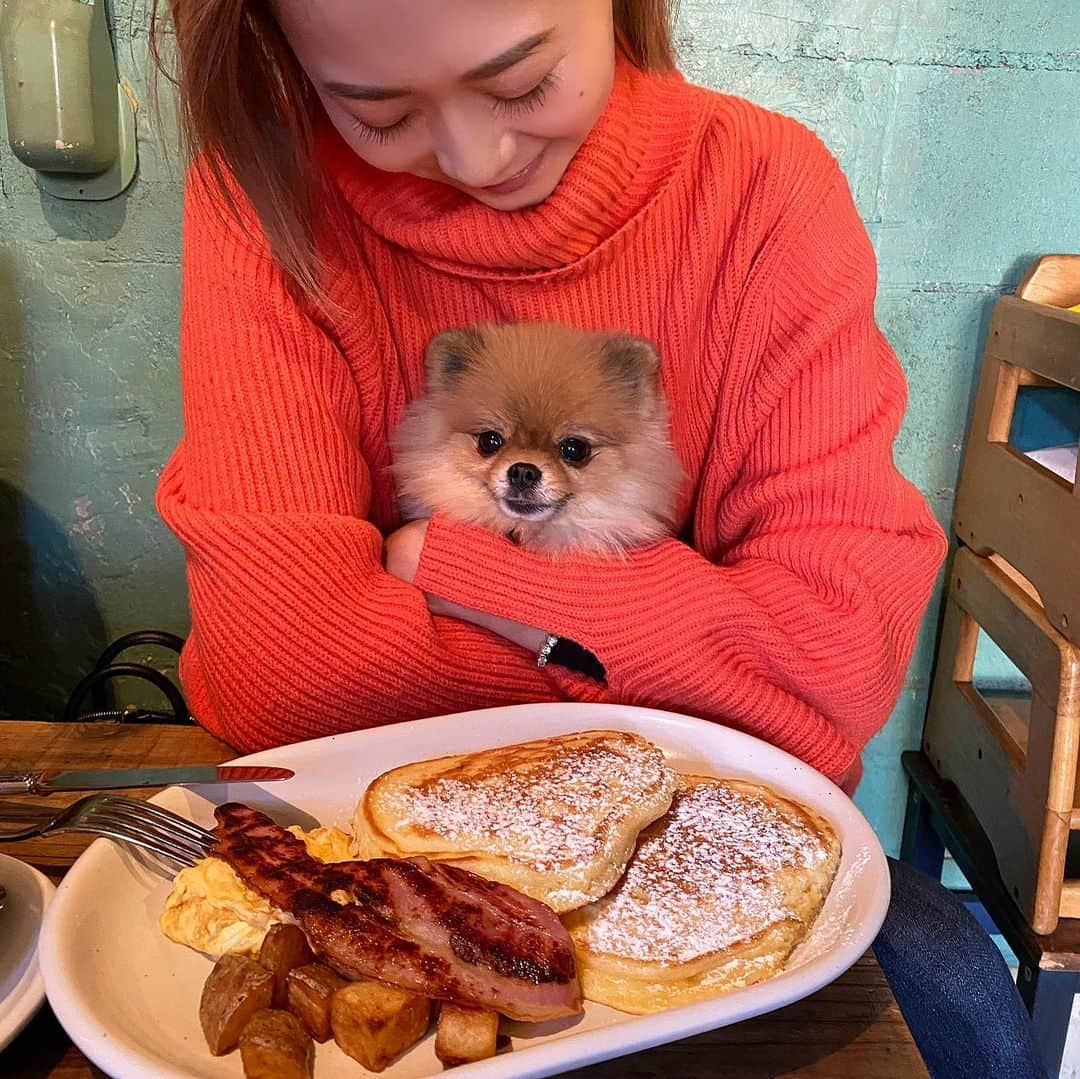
[[956, 122]]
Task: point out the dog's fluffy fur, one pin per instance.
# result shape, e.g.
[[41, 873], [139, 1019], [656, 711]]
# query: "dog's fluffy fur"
[[508, 395]]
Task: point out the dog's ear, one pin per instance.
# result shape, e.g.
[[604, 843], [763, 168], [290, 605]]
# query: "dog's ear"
[[451, 353], [632, 361]]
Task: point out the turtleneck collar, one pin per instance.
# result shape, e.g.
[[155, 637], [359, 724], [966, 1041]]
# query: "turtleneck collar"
[[637, 144]]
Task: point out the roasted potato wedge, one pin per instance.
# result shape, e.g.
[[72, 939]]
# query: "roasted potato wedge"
[[463, 1035], [236, 989], [373, 1022], [275, 1045], [310, 990], [283, 948]]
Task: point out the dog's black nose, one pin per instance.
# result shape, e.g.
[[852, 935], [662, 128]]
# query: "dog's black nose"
[[523, 476]]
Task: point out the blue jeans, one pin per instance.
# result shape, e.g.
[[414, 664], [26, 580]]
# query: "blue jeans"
[[952, 985]]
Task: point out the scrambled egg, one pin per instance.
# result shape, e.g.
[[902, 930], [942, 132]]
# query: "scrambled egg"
[[326, 844], [211, 910]]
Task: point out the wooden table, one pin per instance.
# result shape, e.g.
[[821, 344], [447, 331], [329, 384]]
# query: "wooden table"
[[849, 1030]]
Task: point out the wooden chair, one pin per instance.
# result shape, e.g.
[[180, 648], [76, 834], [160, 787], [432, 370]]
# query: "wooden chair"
[[1007, 504], [1053, 280], [1048, 976], [1013, 758], [996, 780]]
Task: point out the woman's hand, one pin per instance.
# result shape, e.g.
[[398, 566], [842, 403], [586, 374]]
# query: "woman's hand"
[[401, 552]]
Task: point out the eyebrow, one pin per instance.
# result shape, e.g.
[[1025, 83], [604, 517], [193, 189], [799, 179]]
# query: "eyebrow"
[[487, 70]]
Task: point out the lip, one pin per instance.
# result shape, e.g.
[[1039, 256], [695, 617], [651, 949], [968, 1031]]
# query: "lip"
[[528, 511], [520, 179]]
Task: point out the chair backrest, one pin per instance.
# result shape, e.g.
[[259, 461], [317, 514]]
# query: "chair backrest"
[[1053, 280]]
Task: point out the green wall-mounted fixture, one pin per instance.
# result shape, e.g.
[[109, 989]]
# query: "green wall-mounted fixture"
[[68, 116]]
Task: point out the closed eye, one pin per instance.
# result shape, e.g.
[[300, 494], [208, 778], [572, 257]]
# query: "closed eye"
[[384, 133], [513, 106], [531, 99]]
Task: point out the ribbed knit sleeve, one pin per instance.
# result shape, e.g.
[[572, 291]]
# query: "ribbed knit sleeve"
[[297, 631], [794, 614]]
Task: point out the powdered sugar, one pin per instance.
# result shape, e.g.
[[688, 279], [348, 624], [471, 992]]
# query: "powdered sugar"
[[555, 812], [704, 879]]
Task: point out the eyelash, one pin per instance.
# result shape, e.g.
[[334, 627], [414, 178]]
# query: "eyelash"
[[381, 134], [531, 99], [513, 106]]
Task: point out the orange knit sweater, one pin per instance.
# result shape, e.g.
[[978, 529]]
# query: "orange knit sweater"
[[788, 606]]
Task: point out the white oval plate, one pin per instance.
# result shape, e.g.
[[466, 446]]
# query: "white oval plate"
[[129, 997], [21, 986]]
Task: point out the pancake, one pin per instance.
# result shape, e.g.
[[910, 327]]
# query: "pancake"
[[716, 897], [557, 818]]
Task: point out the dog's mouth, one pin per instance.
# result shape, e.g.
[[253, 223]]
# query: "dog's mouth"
[[529, 509]]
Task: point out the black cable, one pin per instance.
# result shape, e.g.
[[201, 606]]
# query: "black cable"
[[101, 675], [158, 638]]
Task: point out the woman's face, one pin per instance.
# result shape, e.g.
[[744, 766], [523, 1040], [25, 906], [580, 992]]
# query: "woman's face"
[[493, 97]]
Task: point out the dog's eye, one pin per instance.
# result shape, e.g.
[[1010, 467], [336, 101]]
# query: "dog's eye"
[[574, 451], [489, 442]]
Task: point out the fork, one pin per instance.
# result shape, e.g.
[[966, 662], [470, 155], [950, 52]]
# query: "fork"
[[116, 816]]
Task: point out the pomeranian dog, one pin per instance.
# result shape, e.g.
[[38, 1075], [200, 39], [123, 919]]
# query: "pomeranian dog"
[[555, 437]]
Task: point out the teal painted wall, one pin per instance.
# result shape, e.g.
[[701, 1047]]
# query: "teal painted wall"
[[958, 124], [956, 121], [89, 408]]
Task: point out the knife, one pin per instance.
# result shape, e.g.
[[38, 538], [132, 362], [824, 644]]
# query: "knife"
[[109, 779]]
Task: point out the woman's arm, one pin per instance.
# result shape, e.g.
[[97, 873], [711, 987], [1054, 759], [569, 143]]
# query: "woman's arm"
[[297, 630], [402, 559], [798, 620]]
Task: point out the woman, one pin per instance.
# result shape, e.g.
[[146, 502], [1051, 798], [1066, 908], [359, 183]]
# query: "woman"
[[369, 174]]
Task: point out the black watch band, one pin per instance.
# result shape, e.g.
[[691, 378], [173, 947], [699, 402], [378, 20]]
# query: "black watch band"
[[572, 656]]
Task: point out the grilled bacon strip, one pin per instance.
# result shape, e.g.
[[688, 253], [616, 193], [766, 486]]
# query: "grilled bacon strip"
[[430, 928]]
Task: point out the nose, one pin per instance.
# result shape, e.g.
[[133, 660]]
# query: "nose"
[[523, 476], [471, 149]]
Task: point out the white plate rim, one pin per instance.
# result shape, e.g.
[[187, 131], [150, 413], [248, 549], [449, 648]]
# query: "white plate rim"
[[544, 1058], [28, 992]]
